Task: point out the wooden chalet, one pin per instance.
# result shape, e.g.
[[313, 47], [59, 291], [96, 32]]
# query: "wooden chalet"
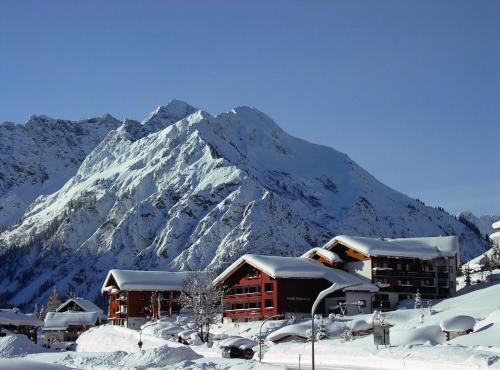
[[15, 321], [62, 328], [262, 286], [400, 267], [139, 296]]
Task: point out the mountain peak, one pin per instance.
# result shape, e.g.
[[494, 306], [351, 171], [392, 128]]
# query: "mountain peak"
[[167, 114]]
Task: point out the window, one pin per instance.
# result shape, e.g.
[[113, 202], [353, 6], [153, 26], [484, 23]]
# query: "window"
[[252, 274], [404, 282], [268, 303], [141, 309], [268, 287], [141, 297]]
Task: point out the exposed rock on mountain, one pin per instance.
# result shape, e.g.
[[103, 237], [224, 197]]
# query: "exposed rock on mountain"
[[39, 157], [187, 190]]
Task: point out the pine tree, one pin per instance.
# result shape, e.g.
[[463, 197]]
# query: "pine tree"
[[322, 334], [54, 301], [418, 300], [42, 313]]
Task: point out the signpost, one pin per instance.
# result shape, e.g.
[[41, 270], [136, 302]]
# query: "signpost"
[[381, 335]]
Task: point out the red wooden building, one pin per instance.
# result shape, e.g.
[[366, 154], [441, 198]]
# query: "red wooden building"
[[262, 286], [139, 296]]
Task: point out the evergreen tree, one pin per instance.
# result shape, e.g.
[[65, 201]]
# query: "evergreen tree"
[[418, 300], [322, 334], [54, 301], [42, 313]]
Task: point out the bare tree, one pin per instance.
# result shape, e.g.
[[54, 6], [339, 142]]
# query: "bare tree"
[[203, 299], [54, 300]]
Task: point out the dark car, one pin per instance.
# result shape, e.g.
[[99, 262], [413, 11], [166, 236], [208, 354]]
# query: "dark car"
[[238, 352]]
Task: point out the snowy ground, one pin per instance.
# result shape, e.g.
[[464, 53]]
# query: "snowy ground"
[[416, 344]]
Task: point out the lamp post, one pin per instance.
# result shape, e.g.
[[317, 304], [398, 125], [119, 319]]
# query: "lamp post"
[[260, 334], [320, 297], [139, 344]]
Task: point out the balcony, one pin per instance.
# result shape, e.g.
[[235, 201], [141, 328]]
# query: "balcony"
[[251, 297], [403, 273], [243, 312]]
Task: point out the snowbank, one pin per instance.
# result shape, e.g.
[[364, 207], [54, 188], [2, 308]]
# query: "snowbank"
[[361, 325], [109, 338], [19, 364], [431, 334], [486, 333], [161, 329], [301, 330], [18, 345], [237, 342]]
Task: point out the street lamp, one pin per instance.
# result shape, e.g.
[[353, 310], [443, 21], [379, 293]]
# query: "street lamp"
[[260, 334], [320, 297], [139, 344]]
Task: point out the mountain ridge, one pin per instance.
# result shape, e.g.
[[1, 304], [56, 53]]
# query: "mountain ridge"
[[199, 191]]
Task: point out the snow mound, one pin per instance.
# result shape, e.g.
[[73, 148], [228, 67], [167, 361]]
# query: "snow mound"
[[108, 338], [486, 332], [18, 364], [431, 334], [17, 345], [158, 357], [237, 342], [301, 330], [162, 329], [361, 325], [458, 323]]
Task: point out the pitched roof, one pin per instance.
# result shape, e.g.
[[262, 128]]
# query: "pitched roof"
[[61, 320], [17, 318], [292, 268], [85, 304], [422, 248], [332, 257], [137, 280]]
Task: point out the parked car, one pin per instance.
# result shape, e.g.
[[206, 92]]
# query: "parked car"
[[238, 352]]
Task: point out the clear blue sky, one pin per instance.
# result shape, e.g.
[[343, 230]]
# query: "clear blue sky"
[[409, 89]]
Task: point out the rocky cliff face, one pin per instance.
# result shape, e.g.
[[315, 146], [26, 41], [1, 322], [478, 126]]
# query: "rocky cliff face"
[[187, 190]]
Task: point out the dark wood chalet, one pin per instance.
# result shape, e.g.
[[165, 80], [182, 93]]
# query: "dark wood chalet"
[[400, 267], [258, 286], [139, 296]]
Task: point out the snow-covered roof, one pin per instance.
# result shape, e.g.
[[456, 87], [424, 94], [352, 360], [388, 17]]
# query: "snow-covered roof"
[[495, 235], [422, 248], [136, 280], [237, 341], [61, 320], [292, 268], [330, 256], [458, 323], [17, 318], [496, 225], [85, 304]]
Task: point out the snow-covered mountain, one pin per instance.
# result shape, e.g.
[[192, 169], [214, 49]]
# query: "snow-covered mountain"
[[40, 156], [483, 223], [185, 190]]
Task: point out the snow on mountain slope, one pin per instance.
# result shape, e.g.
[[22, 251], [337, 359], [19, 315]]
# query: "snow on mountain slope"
[[187, 190], [483, 223], [39, 157]]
